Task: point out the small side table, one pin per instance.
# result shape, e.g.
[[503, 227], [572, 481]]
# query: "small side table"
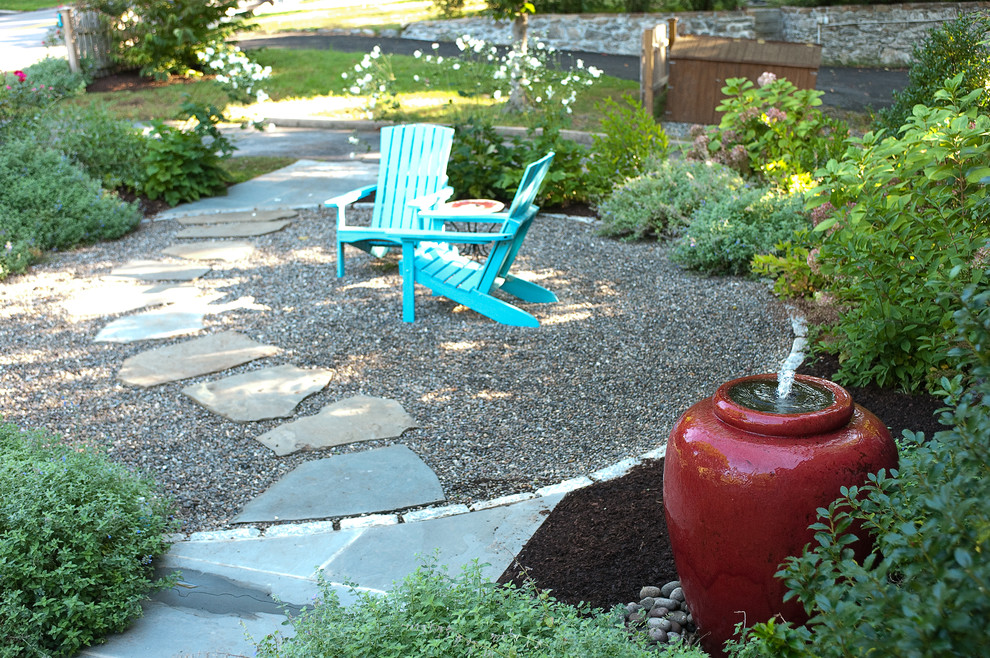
[[473, 207]]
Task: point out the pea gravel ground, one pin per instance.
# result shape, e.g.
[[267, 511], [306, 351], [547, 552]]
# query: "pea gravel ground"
[[633, 341]]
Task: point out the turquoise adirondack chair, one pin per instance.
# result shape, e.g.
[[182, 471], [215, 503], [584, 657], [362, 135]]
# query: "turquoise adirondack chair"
[[430, 257], [412, 177]]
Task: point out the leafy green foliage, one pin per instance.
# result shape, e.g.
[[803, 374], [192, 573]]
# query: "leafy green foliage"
[[791, 268], [728, 230], [185, 165], [55, 74], [911, 217], [484, 164], [107, 148], [161, 37], [22, 103], [48, 202], [449, 8], [662, 200], [783, 133], [77, 537], [629, 138], [953, 48], [433, 614], [921, 590]]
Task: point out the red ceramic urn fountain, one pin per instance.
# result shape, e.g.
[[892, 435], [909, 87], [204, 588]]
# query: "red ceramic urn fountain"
[[742, 481]]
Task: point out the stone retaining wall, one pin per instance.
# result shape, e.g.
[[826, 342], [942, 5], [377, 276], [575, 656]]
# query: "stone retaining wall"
[[878, 35]]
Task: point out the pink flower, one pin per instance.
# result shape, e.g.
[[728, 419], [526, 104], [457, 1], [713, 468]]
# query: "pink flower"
[[20, 75], [766, 78]]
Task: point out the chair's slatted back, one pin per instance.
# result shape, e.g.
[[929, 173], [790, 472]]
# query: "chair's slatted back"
[[521, 214], [413, 164]]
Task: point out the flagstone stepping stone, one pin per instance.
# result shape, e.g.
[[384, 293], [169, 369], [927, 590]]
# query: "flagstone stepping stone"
[[229, 250], [261, 394], [162, 323], [378, 480], [153, 270], [172, 320], [239, 230], [192, 358], [238, 217], [360, 418], [119, 296]]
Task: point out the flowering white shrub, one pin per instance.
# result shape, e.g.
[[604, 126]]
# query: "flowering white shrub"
[[236, 71], [481, 71], [374, 78]]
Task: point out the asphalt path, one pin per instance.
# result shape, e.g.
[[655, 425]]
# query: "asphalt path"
[[854, 89]]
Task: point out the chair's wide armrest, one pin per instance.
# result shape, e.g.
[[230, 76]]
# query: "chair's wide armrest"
[[444, 216], [350, 197], [430, 200], [453, 237]]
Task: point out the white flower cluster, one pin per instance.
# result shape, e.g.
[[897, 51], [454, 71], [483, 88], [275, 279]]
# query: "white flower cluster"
[[373, 77], [236, 70]]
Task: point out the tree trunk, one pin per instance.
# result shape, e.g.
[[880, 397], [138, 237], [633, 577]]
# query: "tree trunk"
[[517, 94]]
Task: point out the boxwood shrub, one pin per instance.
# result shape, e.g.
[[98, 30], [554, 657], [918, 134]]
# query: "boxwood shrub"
[[78, 534]]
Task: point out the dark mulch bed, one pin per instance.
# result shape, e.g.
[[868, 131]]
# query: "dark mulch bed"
[[603, 543], [131, 81]]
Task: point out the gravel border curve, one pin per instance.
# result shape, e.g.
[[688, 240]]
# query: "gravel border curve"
[[632, 343]]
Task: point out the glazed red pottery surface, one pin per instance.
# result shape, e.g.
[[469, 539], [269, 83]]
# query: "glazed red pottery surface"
[[741, 487]]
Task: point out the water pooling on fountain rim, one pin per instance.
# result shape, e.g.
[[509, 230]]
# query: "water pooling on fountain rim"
[[761, 395]]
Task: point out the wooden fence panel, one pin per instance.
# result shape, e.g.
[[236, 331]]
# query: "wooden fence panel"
[[87, 37]]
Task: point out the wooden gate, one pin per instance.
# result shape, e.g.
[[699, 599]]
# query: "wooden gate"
[[87, 36]]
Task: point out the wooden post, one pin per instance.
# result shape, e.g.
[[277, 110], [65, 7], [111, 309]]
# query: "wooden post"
[[70, 39], [646, 71], [653, 73], [671, 31]]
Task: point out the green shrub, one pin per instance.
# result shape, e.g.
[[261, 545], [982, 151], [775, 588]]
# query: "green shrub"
[[77, 537], [484, 164], [910, 218], [953, 48], [630, 139], [22, 103], [662, 201], [923, 591], [433, 614], [109, 149], [161, 37], [185, 165], [728, 231], [48, 202], [779, 128], [791, 268], [55, 74], [478, 159]]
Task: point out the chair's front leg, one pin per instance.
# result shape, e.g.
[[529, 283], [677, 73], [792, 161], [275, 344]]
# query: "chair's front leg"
[[408, 284]]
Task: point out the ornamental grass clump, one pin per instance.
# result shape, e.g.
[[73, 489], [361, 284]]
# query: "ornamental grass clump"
[[78, 535]]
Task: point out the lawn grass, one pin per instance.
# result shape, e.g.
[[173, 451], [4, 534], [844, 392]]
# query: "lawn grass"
[[309, 81], [28, 5], [244, 168], [322, 15]]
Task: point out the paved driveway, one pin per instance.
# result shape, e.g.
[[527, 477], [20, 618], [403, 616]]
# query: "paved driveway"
[[21, 34]]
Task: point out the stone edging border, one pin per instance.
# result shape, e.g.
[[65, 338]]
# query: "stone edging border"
[[617, 470]]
